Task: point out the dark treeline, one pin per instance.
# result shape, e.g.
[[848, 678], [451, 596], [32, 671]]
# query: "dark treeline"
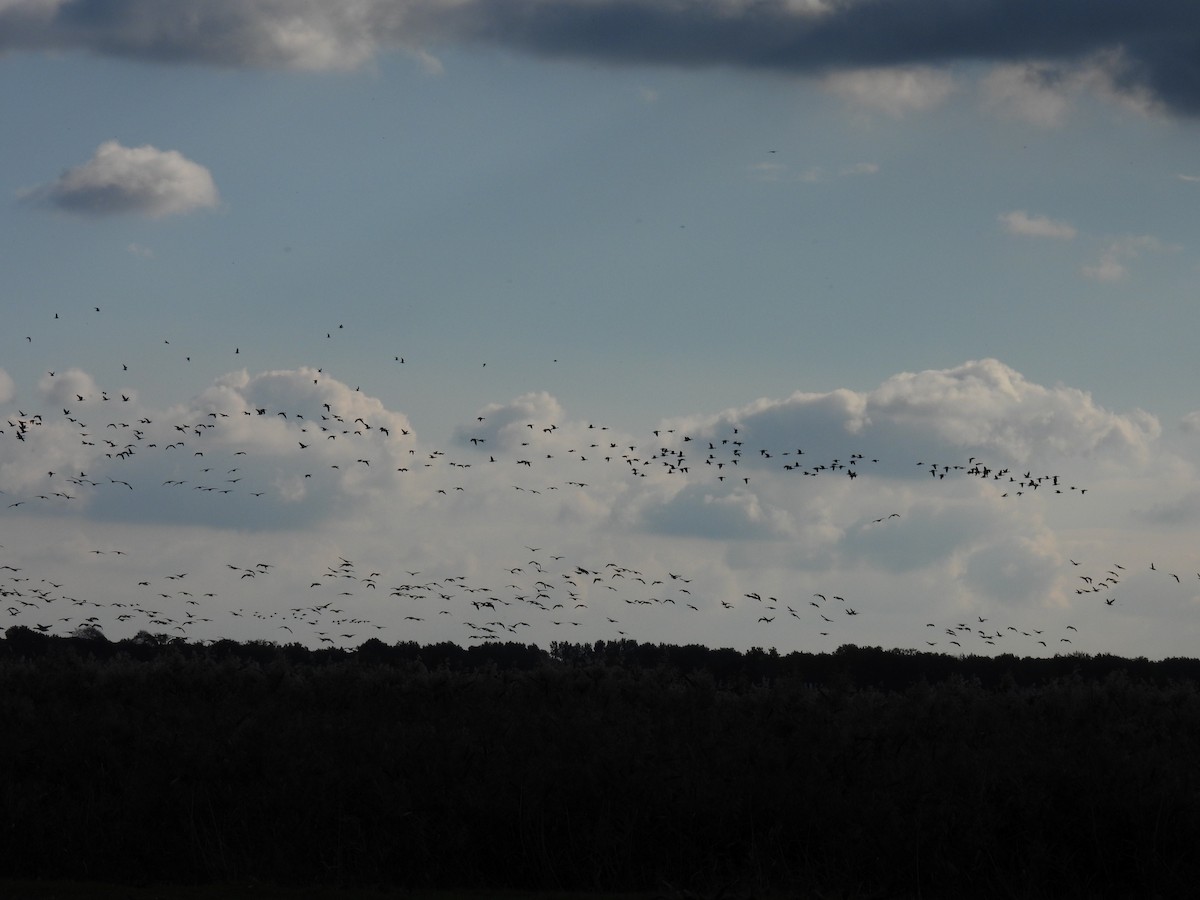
[[613, 766]]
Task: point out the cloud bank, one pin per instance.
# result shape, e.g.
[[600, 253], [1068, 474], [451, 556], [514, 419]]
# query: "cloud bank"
[[1147, 49], [121, 180], [269, 486]]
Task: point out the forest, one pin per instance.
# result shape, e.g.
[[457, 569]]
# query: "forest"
[[685, 771]]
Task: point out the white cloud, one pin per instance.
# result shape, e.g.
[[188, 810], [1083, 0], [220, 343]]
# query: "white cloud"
[[971, 536], [508, 425], [68, 387], [317, 449], [121, 180], [895, 91], [1113, 262], [937, 415], [1020, 222], [988, 405]]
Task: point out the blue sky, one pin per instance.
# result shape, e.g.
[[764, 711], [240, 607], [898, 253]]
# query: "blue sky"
[[805, 222]]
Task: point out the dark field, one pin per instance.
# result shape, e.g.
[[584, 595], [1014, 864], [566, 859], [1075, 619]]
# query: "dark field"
[[78, 890], [617, 769]]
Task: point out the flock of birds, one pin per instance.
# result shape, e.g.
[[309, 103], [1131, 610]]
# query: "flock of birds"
[[542, 595], [192, 465]]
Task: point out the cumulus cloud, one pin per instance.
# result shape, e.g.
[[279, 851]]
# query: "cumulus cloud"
[[987, 404], [788, 486], [45, 441], [277, 450], [1020, 222], [939, 415], [975, 533], [1146, 49], [129, 180], [67, 387], [303, 422], [508, 424]]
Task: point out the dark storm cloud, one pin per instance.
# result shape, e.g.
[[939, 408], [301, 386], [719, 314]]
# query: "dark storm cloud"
[[1158, 41]]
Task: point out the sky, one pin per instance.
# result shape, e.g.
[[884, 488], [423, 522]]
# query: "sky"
[[747, 323]]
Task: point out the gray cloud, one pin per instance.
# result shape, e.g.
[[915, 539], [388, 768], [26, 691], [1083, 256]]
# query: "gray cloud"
[[737, 515], [1013, 570], [7, 389], [306, 34], [122, 180], [1152, 46], [1181, 510], [927, 533]]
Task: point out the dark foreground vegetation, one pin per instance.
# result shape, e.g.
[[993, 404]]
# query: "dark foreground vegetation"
[[618, 767]]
